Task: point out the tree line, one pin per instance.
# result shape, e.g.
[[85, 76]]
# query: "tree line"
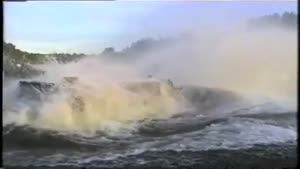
[[19, 64], [286, 20]]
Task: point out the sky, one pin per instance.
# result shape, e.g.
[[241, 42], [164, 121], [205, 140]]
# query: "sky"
[[89, 27]]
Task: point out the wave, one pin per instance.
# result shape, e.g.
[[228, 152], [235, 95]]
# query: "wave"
[[114, 108], [190, 132], [190, 119], [268, 130], [107, 107]]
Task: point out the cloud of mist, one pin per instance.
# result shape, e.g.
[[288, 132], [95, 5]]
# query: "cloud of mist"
[[260, 62], [109, 105]]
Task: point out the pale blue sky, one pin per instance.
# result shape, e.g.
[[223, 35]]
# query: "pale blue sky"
[[91, 26]]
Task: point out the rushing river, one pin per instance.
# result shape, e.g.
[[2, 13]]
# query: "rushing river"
[[221, 129]]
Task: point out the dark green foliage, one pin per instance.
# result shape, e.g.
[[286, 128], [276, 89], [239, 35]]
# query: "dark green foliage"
[[65, 57], [136, 49], [108, 51], [18, 64], [21, 56], [289, 19], [286, 20]]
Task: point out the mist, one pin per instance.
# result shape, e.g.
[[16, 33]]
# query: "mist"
[[251, 62], [109, 105]]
